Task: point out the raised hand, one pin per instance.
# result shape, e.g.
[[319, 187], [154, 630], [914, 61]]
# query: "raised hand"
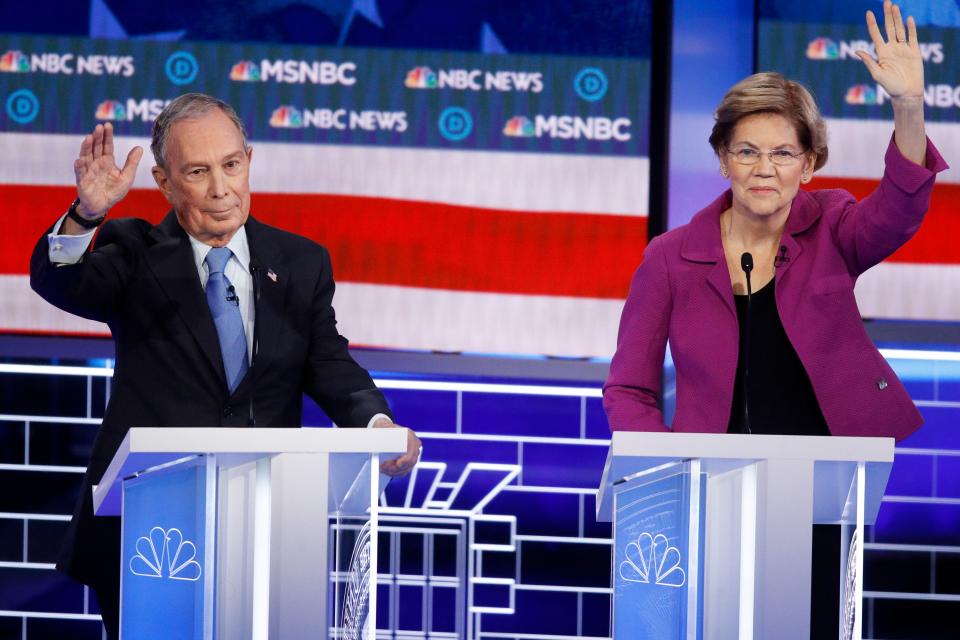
[[100, 182], [898, 67]]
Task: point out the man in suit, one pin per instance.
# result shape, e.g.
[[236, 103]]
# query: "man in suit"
[[218, 319]]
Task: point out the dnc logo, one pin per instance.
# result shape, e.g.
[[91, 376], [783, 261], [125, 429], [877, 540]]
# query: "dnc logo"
[[245, 71], [23, 106], [14, 62], [421, 78], [519, 127], [591, 84], [651, 559], [823, 49], [182, 67], [165, 554], [286, 117], [863, 94], [455, 123]]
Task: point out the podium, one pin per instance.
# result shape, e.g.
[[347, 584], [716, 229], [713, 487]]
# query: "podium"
[[712, 532], [247, 533]]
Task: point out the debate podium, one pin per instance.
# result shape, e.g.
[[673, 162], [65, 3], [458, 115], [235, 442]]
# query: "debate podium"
[[247, 533], [712, 532]]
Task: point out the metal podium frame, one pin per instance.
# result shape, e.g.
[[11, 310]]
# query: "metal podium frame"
[[270, 495], [762, 495]]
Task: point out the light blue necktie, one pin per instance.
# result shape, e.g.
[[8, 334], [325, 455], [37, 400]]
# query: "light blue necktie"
[[226, 316]]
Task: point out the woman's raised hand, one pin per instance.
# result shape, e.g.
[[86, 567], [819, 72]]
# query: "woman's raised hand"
[[898, 67]]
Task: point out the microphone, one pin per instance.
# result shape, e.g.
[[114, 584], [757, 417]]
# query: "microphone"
[[746, 263], [232, 296], [782, 259], [255, 275]]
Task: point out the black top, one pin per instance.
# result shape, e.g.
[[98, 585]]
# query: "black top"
[[780, 395]]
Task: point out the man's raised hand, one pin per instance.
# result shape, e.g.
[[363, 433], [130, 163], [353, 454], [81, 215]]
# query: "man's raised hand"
[[100, 182]]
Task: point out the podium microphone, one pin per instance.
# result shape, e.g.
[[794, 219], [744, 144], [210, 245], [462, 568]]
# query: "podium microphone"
[[746, 263]]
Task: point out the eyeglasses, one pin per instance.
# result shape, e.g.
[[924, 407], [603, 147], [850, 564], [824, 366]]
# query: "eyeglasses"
[[779, 157]]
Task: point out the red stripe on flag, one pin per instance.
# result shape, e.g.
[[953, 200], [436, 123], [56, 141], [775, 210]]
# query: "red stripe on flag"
[[397, 242], [935, 242]]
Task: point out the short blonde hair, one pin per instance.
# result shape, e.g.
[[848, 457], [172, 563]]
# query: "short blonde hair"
[[770, 92]]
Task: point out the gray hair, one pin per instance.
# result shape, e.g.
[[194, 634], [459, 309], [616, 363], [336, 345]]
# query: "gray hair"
[[770, 92], [185, 107]]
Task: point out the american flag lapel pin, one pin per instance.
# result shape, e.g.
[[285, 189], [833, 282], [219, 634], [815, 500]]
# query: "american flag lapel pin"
[[272, 275]]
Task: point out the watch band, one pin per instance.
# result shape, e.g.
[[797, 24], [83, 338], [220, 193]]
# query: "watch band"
[[80, 220]]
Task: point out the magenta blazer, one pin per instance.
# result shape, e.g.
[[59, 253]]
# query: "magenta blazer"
[[682, 293]]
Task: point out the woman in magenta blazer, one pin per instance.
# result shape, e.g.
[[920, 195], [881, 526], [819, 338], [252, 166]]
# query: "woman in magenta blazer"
[[792, 356]]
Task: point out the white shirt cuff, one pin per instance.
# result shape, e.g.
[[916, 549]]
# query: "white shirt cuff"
[[64, 249], [376, 417]]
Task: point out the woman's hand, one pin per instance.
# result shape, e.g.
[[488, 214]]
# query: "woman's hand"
[[898, 67]]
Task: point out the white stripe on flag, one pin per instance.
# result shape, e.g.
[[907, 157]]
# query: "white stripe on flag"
[[493, 180], [406, 318], [416, 318], [857, 148], [910, 291]]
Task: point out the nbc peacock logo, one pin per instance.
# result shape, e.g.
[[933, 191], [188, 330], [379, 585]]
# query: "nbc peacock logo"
[[111, 110], [165, 554], [823, 49], [652, 560], [862, 94], [519, 127], [14, 62], [286, 117], [245, 71], [421, 78]]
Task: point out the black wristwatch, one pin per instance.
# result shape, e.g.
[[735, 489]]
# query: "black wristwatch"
[[80, 220]]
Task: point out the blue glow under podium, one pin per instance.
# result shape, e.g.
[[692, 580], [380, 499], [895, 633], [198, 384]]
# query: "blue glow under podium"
[[712, 532], [248, 533]]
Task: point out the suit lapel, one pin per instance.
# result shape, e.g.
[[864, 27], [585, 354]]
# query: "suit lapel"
[[273, 279], [804, 212], [702, 244], [171, 262]]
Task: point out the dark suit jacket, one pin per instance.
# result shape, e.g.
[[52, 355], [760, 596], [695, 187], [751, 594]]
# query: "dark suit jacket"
[[142, 281]]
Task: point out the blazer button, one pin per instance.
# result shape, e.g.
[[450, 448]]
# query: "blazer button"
[[881, 383], [227, 411]]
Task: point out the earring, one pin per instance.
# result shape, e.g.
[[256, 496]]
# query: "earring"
[[723, 171], [805, 178]]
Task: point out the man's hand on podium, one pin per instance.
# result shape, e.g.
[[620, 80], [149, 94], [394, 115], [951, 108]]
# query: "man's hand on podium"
[[400, 466]]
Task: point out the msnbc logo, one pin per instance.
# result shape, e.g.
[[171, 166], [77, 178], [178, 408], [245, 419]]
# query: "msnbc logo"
[[823, 49], [323, 72], [245, 71], [286, 117], [14, 62], [519, 127], [862, 94], [111, 110], [421, 78]]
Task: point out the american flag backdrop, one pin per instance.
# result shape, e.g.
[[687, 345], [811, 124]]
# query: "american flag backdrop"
[[470, 203], [432, 249], [815, 44]]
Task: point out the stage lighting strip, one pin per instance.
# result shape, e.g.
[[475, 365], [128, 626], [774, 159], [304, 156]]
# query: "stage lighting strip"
[[435, 385]]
